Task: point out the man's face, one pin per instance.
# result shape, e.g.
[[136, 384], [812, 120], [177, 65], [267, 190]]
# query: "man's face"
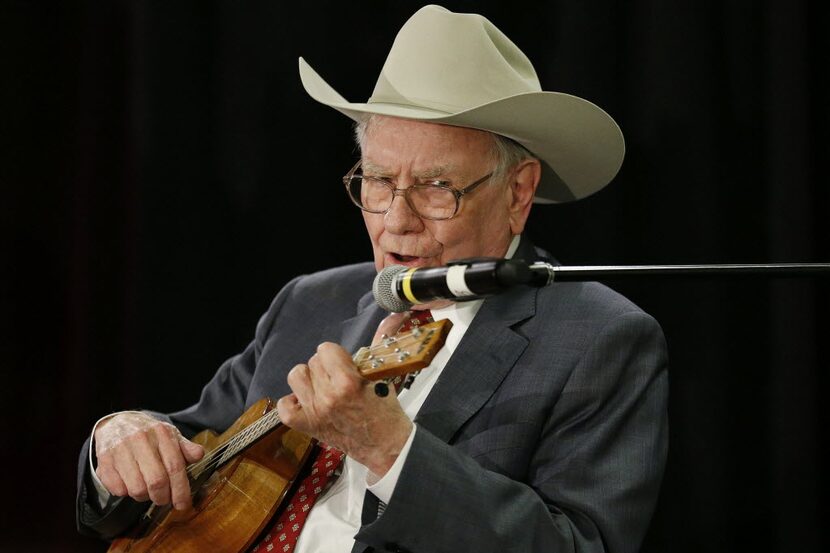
[[408, 152]]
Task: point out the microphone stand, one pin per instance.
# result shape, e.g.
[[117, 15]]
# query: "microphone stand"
[[544, 274], [396, 288]]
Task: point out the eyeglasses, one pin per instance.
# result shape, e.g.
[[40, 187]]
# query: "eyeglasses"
[[435, 200]]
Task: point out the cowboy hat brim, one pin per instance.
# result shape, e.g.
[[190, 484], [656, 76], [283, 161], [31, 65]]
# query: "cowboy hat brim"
[[580, 145]]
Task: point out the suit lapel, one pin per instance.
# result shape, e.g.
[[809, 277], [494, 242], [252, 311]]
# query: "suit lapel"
[[486, 354], [358, 331], [481, 361]]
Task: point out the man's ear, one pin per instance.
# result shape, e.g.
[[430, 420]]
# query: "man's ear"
[[524, 181]]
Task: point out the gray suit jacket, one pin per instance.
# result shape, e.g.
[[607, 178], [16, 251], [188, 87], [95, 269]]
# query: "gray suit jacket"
[[547, 430]]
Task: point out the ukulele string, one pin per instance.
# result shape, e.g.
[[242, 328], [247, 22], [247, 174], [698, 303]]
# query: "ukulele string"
[[215, 456]]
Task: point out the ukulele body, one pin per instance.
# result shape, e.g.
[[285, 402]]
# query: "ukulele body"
[[233, 506]]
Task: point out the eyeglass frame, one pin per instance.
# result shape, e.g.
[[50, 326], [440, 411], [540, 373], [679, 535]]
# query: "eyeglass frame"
[[347, 178]]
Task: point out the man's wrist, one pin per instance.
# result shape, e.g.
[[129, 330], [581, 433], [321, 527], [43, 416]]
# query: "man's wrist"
[[103, 494], [380, 459], [383, 486]]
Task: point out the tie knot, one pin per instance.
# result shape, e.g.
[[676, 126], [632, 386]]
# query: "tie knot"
[[417, 318]]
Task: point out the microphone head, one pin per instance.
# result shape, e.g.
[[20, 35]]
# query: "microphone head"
[[384, 292]]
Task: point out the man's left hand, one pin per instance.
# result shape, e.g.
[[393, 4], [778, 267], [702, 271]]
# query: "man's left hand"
[[336, 405]]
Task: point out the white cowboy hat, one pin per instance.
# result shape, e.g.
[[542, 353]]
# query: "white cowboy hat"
[[459, 69]]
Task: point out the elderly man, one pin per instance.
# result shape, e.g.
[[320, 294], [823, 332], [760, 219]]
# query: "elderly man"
[[541, 424]]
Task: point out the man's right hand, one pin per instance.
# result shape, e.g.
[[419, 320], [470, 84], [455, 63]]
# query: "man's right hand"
[[145, 458]]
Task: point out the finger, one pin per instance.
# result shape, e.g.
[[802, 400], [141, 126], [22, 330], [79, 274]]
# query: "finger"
[[172, 457], [109, 476], [192, 451], [317, 373], [301, 384], [389, 326], [346, 382], [337, 363], [127, 468], [150, 464], [290, 411]]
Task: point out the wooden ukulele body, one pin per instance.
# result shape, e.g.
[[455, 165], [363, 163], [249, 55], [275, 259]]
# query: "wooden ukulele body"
[[232, 507]]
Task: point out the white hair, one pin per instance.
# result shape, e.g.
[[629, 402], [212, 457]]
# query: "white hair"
[[506, 152]]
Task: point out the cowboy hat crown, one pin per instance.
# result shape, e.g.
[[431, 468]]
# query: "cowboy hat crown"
[[460, 69]]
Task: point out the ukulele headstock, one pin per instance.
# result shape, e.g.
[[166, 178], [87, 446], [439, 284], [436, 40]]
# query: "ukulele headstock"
[[403, 353]]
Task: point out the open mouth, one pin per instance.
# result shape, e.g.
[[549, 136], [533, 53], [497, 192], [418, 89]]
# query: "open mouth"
[[403, 258]]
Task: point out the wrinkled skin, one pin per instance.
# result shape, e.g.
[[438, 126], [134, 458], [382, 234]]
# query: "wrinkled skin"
[[145, 459]]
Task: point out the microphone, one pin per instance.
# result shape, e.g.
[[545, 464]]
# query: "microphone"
[[397, 288]]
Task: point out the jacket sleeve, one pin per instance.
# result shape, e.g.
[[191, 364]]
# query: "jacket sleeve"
[[222, 401], [592, 479]]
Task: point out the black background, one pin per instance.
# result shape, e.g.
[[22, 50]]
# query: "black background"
[[163, 174]]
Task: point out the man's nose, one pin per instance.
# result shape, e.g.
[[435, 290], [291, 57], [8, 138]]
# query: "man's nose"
[[400, 218]]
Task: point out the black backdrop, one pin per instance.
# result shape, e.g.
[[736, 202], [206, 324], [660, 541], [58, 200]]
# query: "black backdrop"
[[163, 174]]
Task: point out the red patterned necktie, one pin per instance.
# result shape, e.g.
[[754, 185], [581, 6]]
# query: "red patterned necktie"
[[284, 534], [416, 318]]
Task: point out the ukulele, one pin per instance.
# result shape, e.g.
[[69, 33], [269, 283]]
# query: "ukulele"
[[248, 470]]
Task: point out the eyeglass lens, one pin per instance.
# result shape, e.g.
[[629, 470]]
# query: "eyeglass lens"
[[429, 201]]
